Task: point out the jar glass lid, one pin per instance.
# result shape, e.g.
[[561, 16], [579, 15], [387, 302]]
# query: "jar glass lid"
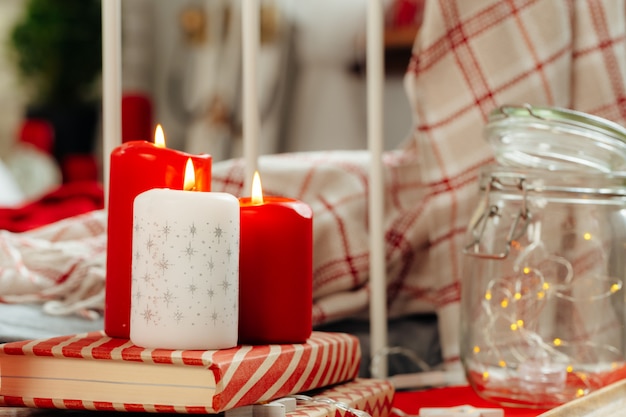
[[555, 139]]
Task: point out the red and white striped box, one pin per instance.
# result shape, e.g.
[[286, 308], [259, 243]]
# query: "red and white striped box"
[[96, 372], [349, 399]]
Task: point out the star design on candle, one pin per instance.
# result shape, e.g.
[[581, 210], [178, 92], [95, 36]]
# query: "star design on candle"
[[211, 265], [147, 278], [166, 230], [163, 264], [148, 314], [189, 251], [214, 317], [193, 230], [229, 252], [178, 316], [168, 297], [218, 233], [149, 244], [225, 285], [138, 295], [192, 288], [210, 293]]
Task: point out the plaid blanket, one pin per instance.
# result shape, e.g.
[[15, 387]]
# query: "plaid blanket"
[[468, 58]]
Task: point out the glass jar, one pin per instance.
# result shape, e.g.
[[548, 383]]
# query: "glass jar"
[[545, 262]]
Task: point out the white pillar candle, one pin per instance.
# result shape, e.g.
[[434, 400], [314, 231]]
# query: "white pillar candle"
[[375, 82], [185, 270]]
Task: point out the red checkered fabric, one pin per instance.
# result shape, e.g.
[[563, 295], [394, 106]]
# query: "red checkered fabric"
[[61, 265], [469, 58]]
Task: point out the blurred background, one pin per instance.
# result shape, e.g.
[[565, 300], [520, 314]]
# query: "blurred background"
[[181, 68]]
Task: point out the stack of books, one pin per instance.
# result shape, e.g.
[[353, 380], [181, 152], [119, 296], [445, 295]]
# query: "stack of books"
[[95, 372]]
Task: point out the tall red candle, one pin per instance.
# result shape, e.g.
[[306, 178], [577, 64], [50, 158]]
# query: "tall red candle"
[[137, 166], [275, 271]]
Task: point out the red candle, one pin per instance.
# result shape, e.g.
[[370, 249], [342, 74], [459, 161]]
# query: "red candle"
[[275, 269], [137, 166]]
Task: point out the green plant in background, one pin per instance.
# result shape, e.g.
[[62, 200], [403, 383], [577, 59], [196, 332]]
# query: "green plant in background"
[[57, 46]]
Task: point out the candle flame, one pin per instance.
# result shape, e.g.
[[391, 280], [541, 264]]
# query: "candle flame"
[[159, 137], [190, 176], [257, 190]]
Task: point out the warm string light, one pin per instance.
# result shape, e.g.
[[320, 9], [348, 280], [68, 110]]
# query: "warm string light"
[[520, 300]]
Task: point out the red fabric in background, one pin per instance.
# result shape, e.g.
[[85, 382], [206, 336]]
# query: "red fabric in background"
[[410, 402], [70, 199], [38, 133]]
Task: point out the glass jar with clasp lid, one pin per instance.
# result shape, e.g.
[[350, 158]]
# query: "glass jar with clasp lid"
[[545, 262]]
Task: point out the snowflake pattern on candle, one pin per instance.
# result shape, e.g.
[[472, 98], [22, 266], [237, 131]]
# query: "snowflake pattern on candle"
[[185, 275]]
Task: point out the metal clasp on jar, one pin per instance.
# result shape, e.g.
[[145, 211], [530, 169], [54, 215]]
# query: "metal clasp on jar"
[[517, 229]]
